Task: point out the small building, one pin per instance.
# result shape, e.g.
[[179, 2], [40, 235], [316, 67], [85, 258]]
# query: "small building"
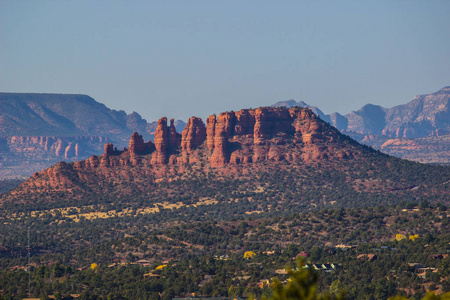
[[302, 254], [317, 266], [324, 267]]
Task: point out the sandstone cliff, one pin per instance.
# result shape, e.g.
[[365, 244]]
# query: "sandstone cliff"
[[244, 147], [232, 141], [240, 137]]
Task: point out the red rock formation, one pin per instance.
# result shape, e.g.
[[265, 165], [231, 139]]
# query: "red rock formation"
[[210, 131], [246, 136], [161, 143], [223, 130], [174, 138], [193, 135], [109, 149], [265, 135], [92, 161], [269, 122], [245, 122], [136, 144]]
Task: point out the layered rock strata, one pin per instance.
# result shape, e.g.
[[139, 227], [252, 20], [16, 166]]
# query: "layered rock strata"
[[62, 147], [230, 143], [246, 136]]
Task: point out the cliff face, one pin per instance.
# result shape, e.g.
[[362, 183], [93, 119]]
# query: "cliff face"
[[38, 130], [245, 136], [61, 147], [249, 138], [23, 155]]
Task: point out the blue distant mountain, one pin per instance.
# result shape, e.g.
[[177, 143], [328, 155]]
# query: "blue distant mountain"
[[420, 128], [421, 117]]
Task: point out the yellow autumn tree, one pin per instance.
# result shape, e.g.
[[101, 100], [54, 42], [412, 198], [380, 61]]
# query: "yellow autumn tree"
[[400, 237], [94, 267], [249, 254], [413, 237], [160, 267]]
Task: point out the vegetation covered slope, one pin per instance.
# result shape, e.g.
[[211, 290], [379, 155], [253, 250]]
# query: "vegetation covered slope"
[[180, 252]]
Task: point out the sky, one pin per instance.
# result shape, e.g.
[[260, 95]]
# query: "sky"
[[194, 58]]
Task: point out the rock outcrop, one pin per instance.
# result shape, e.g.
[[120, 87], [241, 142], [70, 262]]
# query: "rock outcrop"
[[193, 135], [246, 136], [232, 143], [137, 146]]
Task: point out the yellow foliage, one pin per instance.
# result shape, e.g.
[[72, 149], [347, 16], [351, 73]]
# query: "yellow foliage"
[[413, 237], [249, 254], [94, 267], [400, 237], [160, 267]]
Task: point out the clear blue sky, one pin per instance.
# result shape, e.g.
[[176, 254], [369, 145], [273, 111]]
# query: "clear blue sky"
[[184, 58]]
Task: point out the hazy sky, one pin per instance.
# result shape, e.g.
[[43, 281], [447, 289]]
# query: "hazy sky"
[[184, 58]]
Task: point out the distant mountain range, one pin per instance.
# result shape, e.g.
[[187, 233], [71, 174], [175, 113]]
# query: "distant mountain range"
[[64, 115], [39, 130], [290, 152], [418, 130]]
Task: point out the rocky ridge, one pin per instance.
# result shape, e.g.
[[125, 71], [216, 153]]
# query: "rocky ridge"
[[289, 152], [390, 129], [228, 143], [425, 115], [239, 137]]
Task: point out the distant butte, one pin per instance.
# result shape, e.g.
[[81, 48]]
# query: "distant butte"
[[246, 145], [232, 142], [246, 136]]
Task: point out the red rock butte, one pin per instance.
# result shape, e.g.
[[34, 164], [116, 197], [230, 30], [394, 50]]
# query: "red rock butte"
[[246, 136], [240, 143]]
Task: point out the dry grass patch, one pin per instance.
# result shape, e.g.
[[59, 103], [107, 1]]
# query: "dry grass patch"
[[87, 212]]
